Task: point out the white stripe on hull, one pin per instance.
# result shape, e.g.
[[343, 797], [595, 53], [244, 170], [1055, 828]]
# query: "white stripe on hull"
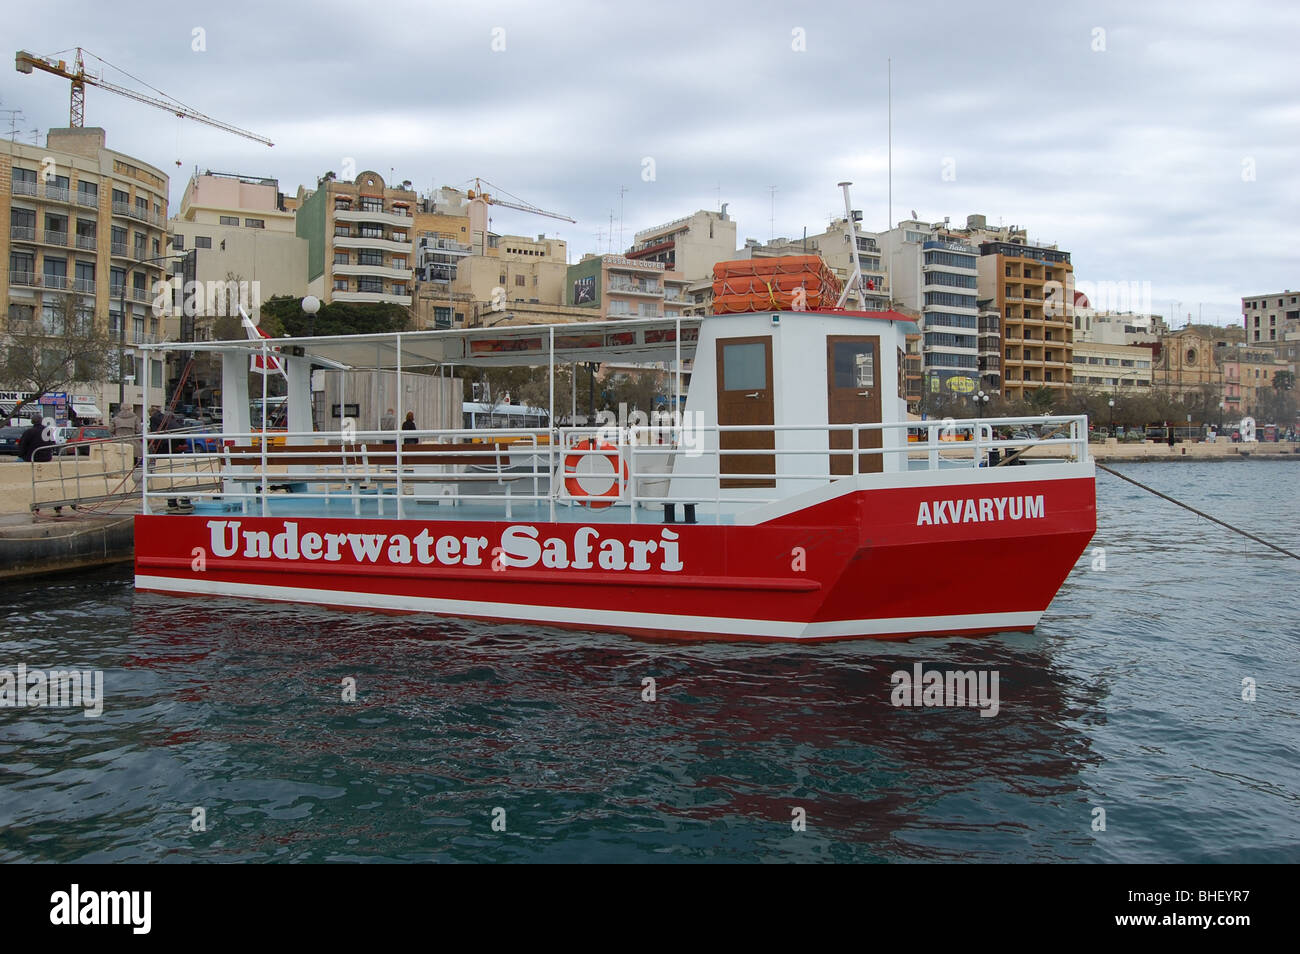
[[614, 620]]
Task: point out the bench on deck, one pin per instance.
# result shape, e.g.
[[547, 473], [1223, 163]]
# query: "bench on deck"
[[427, 468]]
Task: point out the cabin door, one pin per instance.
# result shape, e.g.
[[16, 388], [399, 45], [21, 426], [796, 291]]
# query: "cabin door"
[[745, 397], [853, 397]]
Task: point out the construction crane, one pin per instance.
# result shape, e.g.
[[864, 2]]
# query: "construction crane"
[[478, 193], [25, 62]]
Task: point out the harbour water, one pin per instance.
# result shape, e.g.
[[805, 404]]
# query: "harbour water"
[[1128, 698]]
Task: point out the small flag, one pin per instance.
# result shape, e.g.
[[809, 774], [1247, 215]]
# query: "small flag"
[[258, 363]]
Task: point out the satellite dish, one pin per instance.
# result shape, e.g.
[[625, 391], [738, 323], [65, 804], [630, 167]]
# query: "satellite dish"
[[914, 213]]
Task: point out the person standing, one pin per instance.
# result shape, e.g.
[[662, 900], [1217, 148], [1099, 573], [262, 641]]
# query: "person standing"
[[389, 421], [155, 418], [34, 444], [409, 425], [125, 423]]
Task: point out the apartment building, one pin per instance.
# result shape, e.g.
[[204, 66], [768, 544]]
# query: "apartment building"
[[689, 246], [1265, 316], [87, 221], [1247, 377], [245, 242], [360, 245], [615, 286], [935, 275], [1112, 367]]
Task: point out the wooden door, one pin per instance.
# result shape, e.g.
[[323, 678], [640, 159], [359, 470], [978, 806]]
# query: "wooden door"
[[853, 397], [745, 397]]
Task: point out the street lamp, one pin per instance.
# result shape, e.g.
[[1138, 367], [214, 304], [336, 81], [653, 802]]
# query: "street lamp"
[[1110, 403], [1220, 417], [311, 305], [981, 398]]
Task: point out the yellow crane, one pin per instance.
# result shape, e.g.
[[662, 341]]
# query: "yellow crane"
[[478, 193], [25, 62]]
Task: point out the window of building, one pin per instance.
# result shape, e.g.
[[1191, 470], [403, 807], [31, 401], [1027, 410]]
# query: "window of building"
[[178, 242], [27, 177], [374, 286], [254, 223], [22, 224], [340, 284], [121, 198], [370, 256], [399, 261], [202, 241], [399, 236], [441, 317], [501, 279], [229, 220], [88, 192], [371, 204], [343, 231], [141, 206], [22, 313], [371, 231], [521, 281], [399, 288], [341, 258]]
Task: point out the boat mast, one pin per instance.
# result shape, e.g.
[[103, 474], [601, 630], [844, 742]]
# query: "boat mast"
[[855, 280]]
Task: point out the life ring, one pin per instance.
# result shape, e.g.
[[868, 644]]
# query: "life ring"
[[579, 468]]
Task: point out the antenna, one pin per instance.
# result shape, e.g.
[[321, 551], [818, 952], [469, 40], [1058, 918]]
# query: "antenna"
[[889, 66], [772, 221], [622, 190]]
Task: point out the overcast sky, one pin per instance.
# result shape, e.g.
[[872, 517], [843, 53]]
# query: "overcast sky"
[[1156, 142]]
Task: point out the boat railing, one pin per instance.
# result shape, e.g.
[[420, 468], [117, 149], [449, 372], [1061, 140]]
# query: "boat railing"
[[648, 466]]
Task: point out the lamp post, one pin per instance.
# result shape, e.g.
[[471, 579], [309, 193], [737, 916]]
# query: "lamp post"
[[121, 331], [981, 398], [1220, 417], [311, 305], [1110, 403]]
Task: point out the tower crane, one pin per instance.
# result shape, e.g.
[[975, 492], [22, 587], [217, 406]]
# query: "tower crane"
[[478, 193], [25, 62]]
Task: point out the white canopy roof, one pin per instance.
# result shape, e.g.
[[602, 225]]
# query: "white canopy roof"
[[631, 340]]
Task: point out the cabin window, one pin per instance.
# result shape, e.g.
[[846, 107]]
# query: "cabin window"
[[744, 366], [855, 364]]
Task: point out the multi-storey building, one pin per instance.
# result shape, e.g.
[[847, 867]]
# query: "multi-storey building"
[[89, 222], [241, 233], [615, 286], [441, 231], [360, 245], [1248, 373], [1112, 367], [935, 274], [990, 347], [689, 246], [514, 271], [1265, 316], [834, 248], [1031, 286]]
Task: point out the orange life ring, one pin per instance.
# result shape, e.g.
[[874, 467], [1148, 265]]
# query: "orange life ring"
[[573, 475]]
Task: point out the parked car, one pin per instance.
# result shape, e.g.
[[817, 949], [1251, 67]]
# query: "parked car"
[[77, 440], [9, 437]]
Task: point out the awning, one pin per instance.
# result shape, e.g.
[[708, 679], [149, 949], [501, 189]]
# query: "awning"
[[87, 410]]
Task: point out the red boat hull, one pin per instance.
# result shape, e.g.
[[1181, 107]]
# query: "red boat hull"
[[958, 555]]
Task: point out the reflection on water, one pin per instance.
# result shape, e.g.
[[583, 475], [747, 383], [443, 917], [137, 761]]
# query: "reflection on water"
[[1127, 698]]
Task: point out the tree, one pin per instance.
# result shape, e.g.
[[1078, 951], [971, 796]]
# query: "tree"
[[283, 315], [50, 353], [1283, 380]]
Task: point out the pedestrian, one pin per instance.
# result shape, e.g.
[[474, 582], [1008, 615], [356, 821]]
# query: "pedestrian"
[[1171, 438], [389, 421], [155, 418], [409, 425], [125, 423], [34, 444]]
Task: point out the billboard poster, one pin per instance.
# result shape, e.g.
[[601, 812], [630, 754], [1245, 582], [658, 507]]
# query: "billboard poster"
[[584, 290]]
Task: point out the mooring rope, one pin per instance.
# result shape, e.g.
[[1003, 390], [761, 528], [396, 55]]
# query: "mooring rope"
[[1199, 513]]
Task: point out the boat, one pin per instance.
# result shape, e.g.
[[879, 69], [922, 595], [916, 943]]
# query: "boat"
[[783, 501]]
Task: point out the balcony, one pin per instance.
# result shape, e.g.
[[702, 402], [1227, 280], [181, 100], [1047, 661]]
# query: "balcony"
[[53, 237], [382, 244], [55, 282], [29, 279], [88, 242], [57, 193], [353, 296], [140, 294], [118, 249], [399, 219], [634, 288], [23, 188], [140, 215], [445, 245], [83, 286], [377, 271], [89, 199], [23, 233]]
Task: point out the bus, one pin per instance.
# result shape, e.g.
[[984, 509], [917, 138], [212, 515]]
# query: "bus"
[[276, 418], [482, 416]]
